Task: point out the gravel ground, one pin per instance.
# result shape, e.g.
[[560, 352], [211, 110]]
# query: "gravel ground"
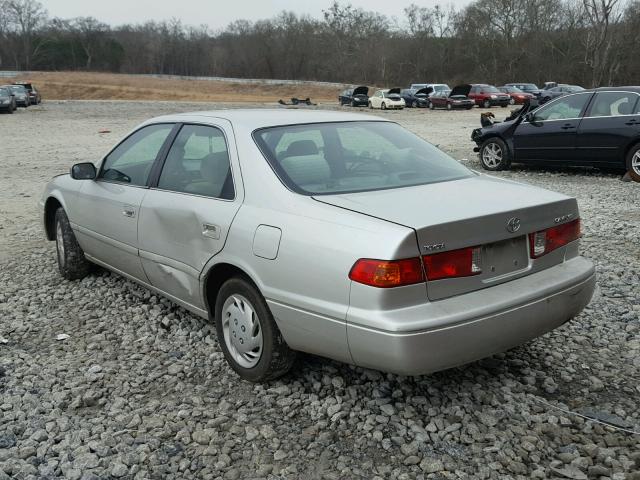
[[140, 389]]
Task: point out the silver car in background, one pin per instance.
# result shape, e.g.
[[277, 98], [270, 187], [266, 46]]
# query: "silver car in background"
[[337, 234]]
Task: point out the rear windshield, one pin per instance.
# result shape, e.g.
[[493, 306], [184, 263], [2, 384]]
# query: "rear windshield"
[[342, 157]]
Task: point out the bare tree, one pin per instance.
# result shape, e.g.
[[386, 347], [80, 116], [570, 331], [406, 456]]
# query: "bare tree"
[[599, 41], [27, 16]]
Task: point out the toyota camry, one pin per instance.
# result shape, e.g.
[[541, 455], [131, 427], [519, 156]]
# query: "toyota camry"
[[337, 234]]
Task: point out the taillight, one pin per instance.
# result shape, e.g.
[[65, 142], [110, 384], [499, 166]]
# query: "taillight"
[[455, 263], [545, 241], [387, 273]]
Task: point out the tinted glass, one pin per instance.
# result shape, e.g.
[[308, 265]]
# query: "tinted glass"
[[353, 157], [198, 163], [611, 104], [131, 161], [563, 108]]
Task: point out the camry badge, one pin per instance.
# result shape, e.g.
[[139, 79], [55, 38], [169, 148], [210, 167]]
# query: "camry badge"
[[513, 224]]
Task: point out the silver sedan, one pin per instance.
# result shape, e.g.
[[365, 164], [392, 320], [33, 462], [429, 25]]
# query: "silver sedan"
[[341, 235]]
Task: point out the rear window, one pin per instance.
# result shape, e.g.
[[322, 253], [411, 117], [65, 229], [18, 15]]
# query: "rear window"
[[343, 157]]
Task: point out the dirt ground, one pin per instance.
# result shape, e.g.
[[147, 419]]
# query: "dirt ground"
[[107, 86]]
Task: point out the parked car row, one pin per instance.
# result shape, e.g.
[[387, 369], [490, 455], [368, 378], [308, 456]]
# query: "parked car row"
[[465, 96], [19, 94]]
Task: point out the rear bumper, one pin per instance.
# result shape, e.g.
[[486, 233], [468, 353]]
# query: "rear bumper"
[[468, 327]]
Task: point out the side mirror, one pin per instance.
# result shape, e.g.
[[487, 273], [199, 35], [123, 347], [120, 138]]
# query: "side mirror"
[[83, 171], [529, 117]]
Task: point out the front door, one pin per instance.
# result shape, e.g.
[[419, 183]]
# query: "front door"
[[107, 227], [186, 214], [613, 119], [550, 132]]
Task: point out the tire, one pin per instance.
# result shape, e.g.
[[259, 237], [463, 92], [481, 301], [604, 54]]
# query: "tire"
[[383, 106], [449, 107], [353, 104], [503, 106], [512, 101], [494, 155], [486, 104], [71, 260], [469, 107], [240, 305], [432, 106], [370, 106], [633, 163], [415, 104]]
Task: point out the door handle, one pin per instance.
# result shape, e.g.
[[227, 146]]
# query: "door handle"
[[632, 122], [128, 211], [567, 126]]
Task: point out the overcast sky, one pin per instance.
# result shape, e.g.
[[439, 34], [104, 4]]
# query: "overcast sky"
[[216, 13]]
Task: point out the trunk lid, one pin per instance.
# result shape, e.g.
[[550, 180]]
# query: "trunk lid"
[[470, 212]]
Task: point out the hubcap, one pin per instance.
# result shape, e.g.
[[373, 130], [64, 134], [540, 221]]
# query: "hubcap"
[[635, 162], [60, 243], [242, 331], [492, 155]]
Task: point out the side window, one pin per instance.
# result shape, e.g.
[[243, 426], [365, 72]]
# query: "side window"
[[612, 104], [563, 108], [131, 161], [198, 163]]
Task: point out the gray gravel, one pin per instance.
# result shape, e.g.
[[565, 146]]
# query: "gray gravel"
[[139, 389]]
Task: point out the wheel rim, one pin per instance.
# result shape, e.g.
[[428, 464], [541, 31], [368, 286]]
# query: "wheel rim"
[[60, 243], [512, 101], [242, 331], [635, 163], [492, 155], [384, 107]]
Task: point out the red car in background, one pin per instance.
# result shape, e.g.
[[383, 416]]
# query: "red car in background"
[[488, 96], [518, 97]]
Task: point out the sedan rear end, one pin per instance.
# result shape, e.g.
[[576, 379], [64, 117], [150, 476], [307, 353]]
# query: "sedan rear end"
[[481, 277]]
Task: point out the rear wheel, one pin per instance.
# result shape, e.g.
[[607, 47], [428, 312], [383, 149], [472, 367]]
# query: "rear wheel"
[[449, 106], [432, 106], [633, 163], [383, 106], [494, 154], [71, 260], [486, 104], [248, 335], [512, 101]]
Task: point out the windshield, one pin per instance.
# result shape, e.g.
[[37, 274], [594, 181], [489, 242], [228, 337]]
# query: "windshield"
[[511, 90], [341, 157], [489, 89], [18, 88], [441, 87], [527, 86]]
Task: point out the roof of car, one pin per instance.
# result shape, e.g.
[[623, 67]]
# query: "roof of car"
[[254, 118], [624, 89]]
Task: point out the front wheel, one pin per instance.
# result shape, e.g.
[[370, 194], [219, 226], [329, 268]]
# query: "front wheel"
[[494, 154], [71, 260], [633, 163], [383, 106], [432, 106], [486, 104], [449, 106], [248, 335]]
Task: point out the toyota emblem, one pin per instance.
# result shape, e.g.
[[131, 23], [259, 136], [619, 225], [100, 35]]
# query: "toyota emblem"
[[513, 224]]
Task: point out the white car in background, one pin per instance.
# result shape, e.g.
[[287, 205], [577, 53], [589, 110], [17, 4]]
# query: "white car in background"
[[385, 99]]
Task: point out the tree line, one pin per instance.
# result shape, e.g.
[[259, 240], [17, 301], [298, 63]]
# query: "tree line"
[[588, 42]]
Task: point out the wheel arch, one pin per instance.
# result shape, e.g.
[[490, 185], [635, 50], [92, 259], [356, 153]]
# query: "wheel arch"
[[215, 277], [51, 205]]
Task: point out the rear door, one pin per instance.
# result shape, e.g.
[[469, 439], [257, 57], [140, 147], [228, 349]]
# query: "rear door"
[[186, 215], [551, 133], [611, 122], [109, 207]]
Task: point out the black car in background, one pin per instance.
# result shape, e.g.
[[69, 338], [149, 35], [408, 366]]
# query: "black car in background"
[[560, 90], [531, 88], [416, 98], [7, 100], [599, 128], [34, 95], [356, 97], [21, 94]]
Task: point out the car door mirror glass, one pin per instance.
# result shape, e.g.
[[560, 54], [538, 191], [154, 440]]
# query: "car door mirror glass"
[[83, 171]]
